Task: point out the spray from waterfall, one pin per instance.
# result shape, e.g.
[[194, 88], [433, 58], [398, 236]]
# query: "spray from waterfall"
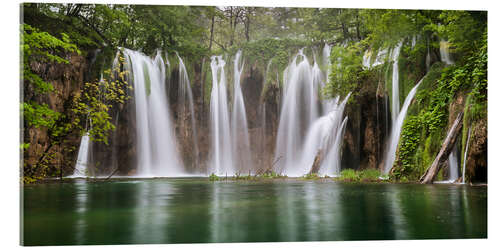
[[156, 144]]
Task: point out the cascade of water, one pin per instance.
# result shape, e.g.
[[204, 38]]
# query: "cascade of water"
[[395, 82], [453, 165], [185, 91], [263, 137], [156, 145], [367, 56], [413, 41], [221, 155], [444, 51], [465, 157], [428, 61], [299, 110], [396, 130], [82, 159], [380, 58], [239, 128], [325, 137]]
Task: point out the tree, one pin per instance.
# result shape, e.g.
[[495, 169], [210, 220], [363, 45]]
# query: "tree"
[[97, 99]]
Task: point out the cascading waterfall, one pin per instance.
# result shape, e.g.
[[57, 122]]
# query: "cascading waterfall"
[[307, 129], [185, 91], [156, 144], [298, 112], [325, 138], [367, 56], [444, 51], [395, 82], [82, 159], [453, 165], [239, 127], [428, 60], [221, 155], [396, 130]]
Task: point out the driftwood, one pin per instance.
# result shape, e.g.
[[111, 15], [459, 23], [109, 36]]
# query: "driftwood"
[[445, 151], [316, 163], [113, 173]]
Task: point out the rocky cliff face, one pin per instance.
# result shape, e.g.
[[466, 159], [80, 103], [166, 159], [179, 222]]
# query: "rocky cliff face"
[[367, 128], [67, 80], [364, 139]]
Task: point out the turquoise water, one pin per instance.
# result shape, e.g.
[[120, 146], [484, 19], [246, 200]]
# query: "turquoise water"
[[197, 210]]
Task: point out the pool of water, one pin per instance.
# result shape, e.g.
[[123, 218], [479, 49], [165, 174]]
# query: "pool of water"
[[196, 210]]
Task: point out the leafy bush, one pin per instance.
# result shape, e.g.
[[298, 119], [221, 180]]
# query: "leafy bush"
[[369, 175], [214, 177], [311, 176], [348, 175]]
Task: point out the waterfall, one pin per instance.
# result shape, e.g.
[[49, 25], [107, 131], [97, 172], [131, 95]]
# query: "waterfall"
[[428, 61], [444, 51], [395, 82], [325, 137], [185, 91], [156, 144], [453, 165], [309, 126], [221, 155], [82, 159], [298, 112], [367, 56], [239, 127], [465, 157], [396, 130]]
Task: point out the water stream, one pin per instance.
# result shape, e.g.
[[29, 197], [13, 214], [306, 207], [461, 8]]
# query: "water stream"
[[156, 144]]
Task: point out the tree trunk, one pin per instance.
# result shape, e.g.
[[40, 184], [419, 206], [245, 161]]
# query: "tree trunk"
[[316, 163], [445, 151]]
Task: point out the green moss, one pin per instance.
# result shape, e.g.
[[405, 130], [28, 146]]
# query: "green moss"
[[147, 80]]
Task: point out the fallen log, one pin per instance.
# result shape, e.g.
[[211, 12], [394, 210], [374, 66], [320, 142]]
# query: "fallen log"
[[445, 151], [316, 163]]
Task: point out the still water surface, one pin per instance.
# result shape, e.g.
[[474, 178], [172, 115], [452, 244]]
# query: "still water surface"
[[197, 210]]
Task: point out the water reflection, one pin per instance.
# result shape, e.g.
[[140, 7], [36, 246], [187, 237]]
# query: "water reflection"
[[151, 211], [197, 210], [81, 194]]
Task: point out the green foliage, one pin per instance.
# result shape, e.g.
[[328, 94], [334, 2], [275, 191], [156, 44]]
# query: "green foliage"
[[346, 71], [97, 99], [366, 175], [271, 175], [40, 47], [369, 175], [311, 176], [279, 51], [423, 132], [348, 175], [214, 177]]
